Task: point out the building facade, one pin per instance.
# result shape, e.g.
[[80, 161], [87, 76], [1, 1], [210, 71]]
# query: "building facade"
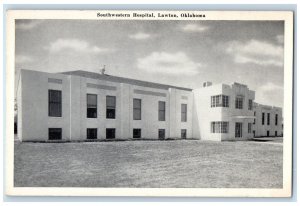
[[224, 112], [268, 121], [80, 106]]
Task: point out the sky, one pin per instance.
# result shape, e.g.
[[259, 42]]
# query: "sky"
[[179, 53]]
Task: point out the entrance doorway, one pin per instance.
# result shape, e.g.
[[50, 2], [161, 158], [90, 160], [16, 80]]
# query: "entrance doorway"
[[238, 129]]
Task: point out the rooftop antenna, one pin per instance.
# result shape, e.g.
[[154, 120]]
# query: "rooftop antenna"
[[103, 70]]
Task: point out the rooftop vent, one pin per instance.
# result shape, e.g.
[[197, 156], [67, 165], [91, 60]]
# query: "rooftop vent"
[[103, 70], [207, 84]]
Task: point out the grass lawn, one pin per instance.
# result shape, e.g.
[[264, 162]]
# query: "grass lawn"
[[184, 163]]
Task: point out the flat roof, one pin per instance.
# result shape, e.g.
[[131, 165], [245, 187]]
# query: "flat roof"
[[117, 79]]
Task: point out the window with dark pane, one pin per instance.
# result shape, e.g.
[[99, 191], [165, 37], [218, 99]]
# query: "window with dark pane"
[[239, 101], [91, 133], [110, 107], [137, 109], [162, 111], [183, 133], [54, 97], [55, 134], [137, 133], [161, 134], [91, 106], [183, 112], [110, 133]]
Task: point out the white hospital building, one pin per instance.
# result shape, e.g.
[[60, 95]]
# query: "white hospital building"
[[86, 106]]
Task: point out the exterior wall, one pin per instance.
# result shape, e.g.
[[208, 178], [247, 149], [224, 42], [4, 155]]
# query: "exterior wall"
[[205, 114], [34, 122], [234, 115], [260, 129], [178, 97], [33, 107]]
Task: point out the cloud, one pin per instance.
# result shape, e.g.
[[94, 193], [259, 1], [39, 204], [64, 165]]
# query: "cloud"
[[75, 45], [140, 36], [269, 92], [21, 59], [256, 52], [169, 63], [270, 87], [194, 28], [27, 24]]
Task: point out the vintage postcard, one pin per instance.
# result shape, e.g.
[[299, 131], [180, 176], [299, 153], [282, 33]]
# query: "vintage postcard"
[[149, 103]]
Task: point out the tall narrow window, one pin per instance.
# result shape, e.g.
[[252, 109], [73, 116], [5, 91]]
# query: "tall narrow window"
[[137, 109], [249, 128], [161, 111], [239, 100], [276, 119], [268, 119], [91, 106], [263, 118], [250, 104], [110, 107], [183, 112], [54, 98]]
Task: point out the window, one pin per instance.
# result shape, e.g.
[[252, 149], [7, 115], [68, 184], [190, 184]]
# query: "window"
[[250, 104], [183, 133], [268, 119], [91, 133], [110, 107], [54, 97], [239, 102], [91, 100], [110, 133], [220, 101], [276, 133], [137, 109], [219, 127], [263, 118], [137, 133], [161, 111], [276, 119], [161, 134], [54, 133], [249, 128], [183, 112]]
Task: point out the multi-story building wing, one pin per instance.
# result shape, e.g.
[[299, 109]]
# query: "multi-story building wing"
[[223, 112], [82, 105], [268, 121]]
